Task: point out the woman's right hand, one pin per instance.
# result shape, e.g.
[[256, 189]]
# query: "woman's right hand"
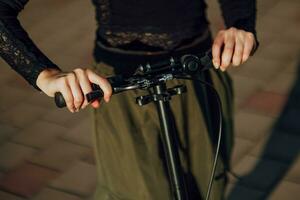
[[73, 86]]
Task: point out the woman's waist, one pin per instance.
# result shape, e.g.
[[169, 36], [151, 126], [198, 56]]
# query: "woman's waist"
[[130, 56]]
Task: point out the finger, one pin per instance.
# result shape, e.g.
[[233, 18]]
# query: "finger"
[[65, 90], [216, 49], [76, 90], [228, 51], [238, 51], [249, 43], [84, 83], [102, 82]]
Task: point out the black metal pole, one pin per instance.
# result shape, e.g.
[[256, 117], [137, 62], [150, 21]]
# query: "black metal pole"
[[170, 146]]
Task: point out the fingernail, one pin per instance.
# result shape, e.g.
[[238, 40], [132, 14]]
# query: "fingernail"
[[216, 64]]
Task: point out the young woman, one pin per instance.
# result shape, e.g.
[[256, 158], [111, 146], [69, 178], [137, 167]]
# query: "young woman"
[[130, 161]]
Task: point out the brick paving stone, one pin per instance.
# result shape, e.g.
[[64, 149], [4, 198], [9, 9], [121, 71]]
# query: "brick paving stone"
[[252, 126], [74, 181], [260, 145], [81, 133], [7, 131], [260, 174], [27, 179], [8, 196], [278, 31], [39, 134], [291, 33], [293, 174], [245, 86], [288, 10], [228, 189], [280, 51], [238, 191], [259, 68], [22, 115], [268, 103], [17, 82], [6, 72], [287, 191], [281, 84], [65, 118], [90, 157], [292, 66], [60, 155], [12, 97], [51, 194], [278, 146], [41, 99], [272, 27], [290, 122], [240, 149], [11, 155], [89, 198]]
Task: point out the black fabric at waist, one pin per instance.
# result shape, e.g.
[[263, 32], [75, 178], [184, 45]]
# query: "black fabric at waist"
[[126, 61]]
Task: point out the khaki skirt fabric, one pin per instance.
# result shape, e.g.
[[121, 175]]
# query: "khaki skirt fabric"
[[128, 149]]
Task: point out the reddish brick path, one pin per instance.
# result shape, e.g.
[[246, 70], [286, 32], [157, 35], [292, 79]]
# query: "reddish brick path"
[[44, 150]]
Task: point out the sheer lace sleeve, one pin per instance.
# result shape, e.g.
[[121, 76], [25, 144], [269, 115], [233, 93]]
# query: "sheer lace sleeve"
[[240, 14], [16, 48]]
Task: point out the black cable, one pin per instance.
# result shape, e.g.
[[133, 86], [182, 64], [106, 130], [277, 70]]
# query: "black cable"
[[213, 172]]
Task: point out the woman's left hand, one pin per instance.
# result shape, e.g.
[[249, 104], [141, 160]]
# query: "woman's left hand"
[[232, 47]]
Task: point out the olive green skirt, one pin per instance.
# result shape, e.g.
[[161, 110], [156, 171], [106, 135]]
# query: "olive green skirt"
[[128, 149]]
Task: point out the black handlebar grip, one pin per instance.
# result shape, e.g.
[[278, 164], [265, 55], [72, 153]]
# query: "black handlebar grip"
[[59, 100], [95, 94]]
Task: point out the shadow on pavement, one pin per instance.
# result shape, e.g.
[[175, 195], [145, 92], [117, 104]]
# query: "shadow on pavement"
[[278, 155]]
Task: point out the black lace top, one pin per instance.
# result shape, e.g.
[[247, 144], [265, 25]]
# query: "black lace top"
[[159, 24]]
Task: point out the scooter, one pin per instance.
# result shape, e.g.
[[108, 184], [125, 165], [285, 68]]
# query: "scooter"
[[153, 77]]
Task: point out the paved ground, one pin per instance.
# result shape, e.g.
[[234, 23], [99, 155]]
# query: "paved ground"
[[44, 150]]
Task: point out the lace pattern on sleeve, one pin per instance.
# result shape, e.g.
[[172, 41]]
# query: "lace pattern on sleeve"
[[17, 55]]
